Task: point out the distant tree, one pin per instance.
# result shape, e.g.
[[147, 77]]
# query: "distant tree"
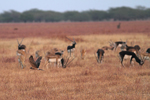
[[122, 13], [26, 17], [147, 13], [140, 8], [71, 15], [51, 16], [84, 16], [36, 15], [76, 16], [10, 16], [97, 15]]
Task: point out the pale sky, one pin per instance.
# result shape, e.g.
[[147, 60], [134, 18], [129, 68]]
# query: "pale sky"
[[69, 5]]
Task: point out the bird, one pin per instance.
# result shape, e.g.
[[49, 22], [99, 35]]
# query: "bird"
[[118, 26], [35, 64]]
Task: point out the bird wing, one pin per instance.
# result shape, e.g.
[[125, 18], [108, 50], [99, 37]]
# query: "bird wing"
[[38, 61], [32, 62]]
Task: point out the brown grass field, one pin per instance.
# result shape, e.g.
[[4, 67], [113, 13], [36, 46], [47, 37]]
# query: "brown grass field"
[[83, 79]]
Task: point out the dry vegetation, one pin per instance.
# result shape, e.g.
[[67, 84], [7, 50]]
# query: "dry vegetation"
[[83, 79]]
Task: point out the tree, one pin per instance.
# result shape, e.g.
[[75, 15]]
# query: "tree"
[[10, 16], [36, 15]]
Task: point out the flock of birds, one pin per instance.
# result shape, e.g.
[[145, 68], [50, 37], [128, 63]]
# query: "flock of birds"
[[56, 56]]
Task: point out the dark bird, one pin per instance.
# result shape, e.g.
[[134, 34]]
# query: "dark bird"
[[118, 26], [35, 64]]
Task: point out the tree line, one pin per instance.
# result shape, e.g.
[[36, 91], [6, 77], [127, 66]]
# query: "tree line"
[[36, 15]]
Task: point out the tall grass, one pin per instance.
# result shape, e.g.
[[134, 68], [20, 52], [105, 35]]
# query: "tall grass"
[[82, 80]]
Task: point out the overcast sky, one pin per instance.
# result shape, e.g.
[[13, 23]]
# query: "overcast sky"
[[69, 5]]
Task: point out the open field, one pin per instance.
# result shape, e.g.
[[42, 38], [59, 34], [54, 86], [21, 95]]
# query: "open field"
[[13, 30], [83, 79]]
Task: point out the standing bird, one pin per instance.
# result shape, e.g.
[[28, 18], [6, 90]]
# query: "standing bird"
[[35, 64], [118, 26]]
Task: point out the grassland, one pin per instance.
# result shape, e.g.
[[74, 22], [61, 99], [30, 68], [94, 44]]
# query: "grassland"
[[83, 79]]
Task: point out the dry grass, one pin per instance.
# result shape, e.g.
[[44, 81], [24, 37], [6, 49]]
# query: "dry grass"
[[8, 30], [84, 79]]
